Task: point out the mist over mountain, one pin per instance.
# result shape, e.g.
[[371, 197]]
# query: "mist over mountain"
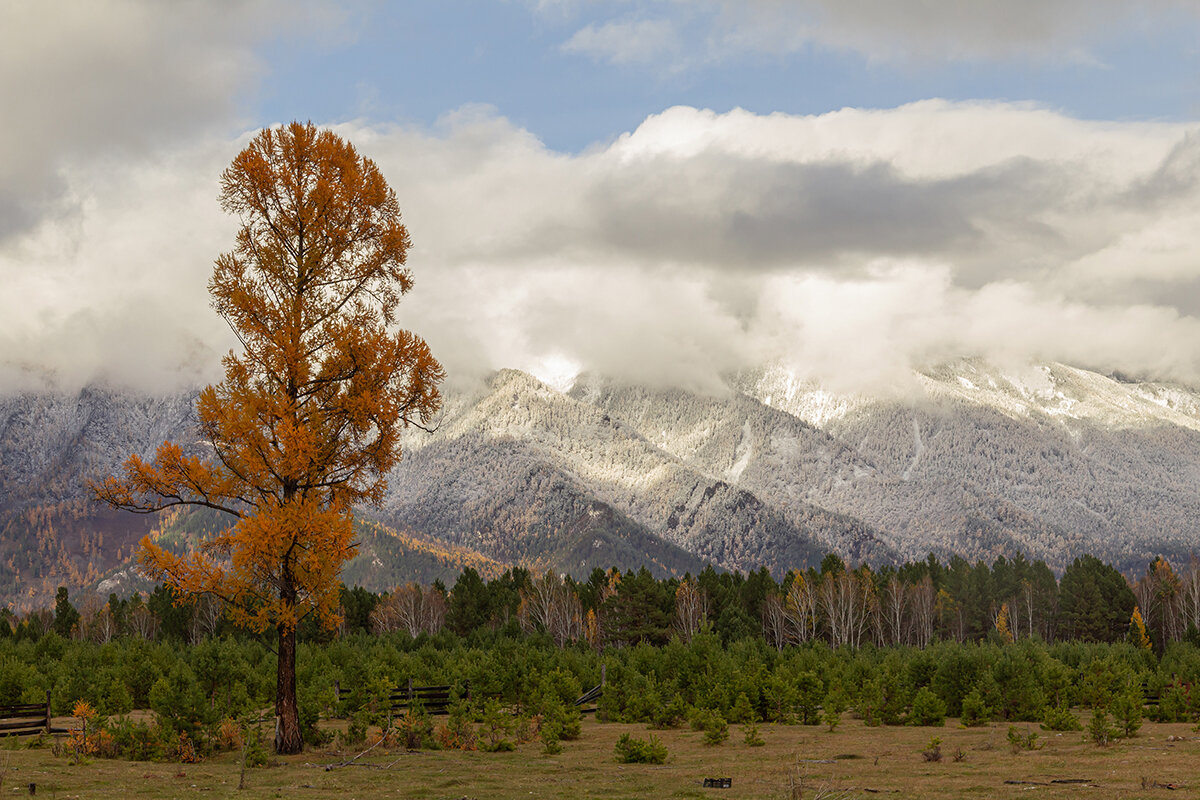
[[973, 459]]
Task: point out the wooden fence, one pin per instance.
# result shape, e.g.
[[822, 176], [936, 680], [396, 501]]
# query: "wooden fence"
[[590, 696], [23, 718], [433, 699], [438, 699]]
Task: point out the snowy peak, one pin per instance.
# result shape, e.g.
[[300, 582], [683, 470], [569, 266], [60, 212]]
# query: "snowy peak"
[[1050, 391], [970, 459], [803, 398], [1065, 393], [604, 442]]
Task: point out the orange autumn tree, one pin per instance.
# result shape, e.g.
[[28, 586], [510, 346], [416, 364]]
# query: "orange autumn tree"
[[306, 423]]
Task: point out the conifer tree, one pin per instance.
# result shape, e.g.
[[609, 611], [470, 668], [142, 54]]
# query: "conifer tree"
[[306, 422], [1003, 630], [1137, 630]]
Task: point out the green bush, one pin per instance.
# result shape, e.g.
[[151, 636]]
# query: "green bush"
[[809, 694], [566, 721], [1172, 704], [716, 729], [551, 744], [780, 697], [927, 709], [1022, 741], [975, 711], [1127, 710], [1017, 672], [639, 751], [870, 703], [1060, 718], [669, 715], [1100, 729], [896, 696], [178, 702], [139, 741], [958, 670], [741, 711], [497, 727], [14, 677]]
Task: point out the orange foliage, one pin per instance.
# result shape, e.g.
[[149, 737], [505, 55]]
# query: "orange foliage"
[[306, 422], [84, 711], [91, 738], [229, 735]]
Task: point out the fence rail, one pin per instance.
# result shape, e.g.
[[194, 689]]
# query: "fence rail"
[[432, 699], [438, 699], [22, 718], [590, 696]]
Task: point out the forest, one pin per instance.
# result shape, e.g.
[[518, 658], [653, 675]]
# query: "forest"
[[911, 645]]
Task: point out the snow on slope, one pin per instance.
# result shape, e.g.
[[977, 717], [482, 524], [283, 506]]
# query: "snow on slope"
[[1052, 459], [602, 455], [734, 438], [972, 459], [49, 443]]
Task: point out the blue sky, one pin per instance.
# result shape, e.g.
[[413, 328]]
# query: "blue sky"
[[411, 62], [664, 190]]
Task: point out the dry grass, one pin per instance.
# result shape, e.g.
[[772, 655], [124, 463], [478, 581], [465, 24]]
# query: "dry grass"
[[796, 762]]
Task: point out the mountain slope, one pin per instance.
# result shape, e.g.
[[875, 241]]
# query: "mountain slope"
[[51, 533], [972, 459], [1051, 459], [767, 454], [512, 467]]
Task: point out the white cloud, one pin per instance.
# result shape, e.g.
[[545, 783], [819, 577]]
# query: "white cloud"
[[859, 242], [890, 30], [871, 331], [87, 80], [933, 29], [852, 245], [627, 41], [118, 290]]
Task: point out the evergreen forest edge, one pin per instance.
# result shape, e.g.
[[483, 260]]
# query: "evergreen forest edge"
[[1005, 642]]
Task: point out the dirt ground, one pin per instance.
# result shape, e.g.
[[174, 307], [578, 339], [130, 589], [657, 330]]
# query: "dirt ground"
[[854, 761]]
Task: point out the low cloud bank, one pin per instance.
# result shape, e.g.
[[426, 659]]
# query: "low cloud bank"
[[851, 246]]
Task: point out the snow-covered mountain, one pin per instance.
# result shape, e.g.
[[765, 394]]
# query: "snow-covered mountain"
[[50, 444], [50, 441], [972, 459], [513, 464], [1051, 459]]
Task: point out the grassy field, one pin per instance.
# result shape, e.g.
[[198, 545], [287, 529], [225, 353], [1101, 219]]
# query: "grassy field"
[[795, 762]]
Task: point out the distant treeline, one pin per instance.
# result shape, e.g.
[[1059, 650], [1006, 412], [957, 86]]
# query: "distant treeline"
[[912, 645], [220, 682], [914, 604]]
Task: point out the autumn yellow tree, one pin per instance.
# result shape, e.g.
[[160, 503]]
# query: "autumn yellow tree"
[[306, 423], [1003, 629], [1137, 630]]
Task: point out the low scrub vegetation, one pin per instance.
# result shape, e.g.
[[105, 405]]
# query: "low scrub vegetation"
[[630, 750], [204, 698]]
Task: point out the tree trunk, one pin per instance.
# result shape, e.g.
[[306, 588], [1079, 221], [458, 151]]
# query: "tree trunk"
[[287, 712]]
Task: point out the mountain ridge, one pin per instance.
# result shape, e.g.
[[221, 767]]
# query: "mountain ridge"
[[974, 460]]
